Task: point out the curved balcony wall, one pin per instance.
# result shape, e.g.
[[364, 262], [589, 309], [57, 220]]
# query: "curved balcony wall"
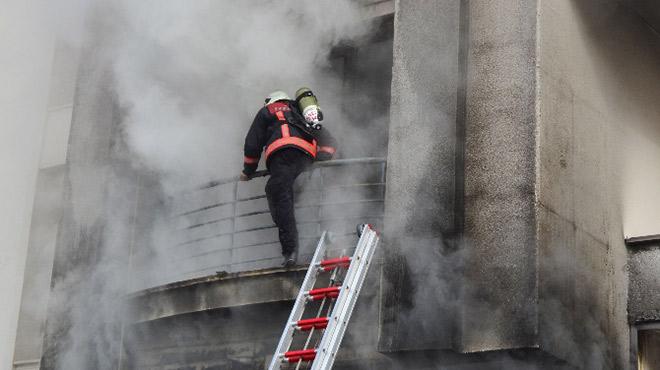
[[225, 226]]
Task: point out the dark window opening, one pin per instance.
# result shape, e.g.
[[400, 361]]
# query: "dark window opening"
[[648, 349], [365, 67]]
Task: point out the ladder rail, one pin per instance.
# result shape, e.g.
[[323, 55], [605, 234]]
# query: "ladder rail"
[[341, 298], [345, 304], [333, 277], [299, 305]]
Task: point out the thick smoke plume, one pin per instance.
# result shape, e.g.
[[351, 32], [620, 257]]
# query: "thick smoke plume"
[[191, 75]]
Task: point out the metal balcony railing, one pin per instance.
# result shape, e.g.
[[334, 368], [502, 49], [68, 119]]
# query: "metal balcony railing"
[[226, 225]]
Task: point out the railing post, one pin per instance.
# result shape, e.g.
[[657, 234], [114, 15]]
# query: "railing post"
[[233, 225], [321, 199], [383, 178]]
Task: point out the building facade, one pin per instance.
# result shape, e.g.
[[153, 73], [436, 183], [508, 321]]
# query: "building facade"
[[510, 168]]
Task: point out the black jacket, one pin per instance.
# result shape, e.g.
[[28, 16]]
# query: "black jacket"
[[280, 125]]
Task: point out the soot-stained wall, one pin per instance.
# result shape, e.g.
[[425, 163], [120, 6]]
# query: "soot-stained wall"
[[182, 327], [594, 96], [644, 289], [421, 165]]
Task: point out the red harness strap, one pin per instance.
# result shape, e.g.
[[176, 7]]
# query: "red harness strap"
[[292, 140], [286, 138], [285, 130]]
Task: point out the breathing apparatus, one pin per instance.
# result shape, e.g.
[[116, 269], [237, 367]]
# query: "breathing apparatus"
[[309, 107]]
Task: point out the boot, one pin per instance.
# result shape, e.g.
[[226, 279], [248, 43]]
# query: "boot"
[[289, 260], [360, 229]]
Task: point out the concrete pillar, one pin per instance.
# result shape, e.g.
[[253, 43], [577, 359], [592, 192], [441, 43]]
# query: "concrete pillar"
[[25, 65], [92, 264], [428, 167], [499, 308], [421, 167], [47, 211]]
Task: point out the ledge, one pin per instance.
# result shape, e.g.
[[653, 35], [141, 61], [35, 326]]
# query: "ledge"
[[215, 291], [640, 241], [646, 317]]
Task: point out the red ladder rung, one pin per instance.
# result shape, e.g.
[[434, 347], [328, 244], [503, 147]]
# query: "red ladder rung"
[[303, 354], [303, 358], [313, 321], [309, 327], [316, 323], [320, 297], [320, 293], [330, 264]]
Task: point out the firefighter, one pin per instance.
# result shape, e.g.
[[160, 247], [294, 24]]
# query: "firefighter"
[[291, 142]]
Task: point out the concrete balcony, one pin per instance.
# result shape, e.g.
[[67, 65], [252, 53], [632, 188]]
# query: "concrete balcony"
[[225, 226]]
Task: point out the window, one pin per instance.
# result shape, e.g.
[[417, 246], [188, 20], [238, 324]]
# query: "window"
[[648, 347]]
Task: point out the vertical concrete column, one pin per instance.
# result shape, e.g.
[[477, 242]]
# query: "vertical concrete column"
[[499, 308], [419, 203], [91, 268], [27, 47], [81, 228]]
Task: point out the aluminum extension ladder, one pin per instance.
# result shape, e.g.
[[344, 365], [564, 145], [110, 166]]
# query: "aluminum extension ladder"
[[334, 311]]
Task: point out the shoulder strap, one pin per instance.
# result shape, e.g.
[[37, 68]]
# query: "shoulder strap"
[[297, 120]]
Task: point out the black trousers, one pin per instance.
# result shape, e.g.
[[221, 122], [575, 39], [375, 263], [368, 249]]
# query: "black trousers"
[[285, 165]]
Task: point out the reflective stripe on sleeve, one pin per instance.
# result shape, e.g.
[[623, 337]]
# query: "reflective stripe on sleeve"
[[327, 149]]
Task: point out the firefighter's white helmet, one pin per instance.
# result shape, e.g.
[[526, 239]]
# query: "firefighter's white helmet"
[[276, 96]]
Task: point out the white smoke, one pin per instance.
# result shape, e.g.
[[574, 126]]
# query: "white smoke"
[[191, 75]]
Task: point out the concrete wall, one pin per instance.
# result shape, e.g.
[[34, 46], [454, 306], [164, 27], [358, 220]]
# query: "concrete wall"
[[421, 145], [47, 209], [446, 139], [91, 259], [220, 322], [644, 289], [559, 95], [224, 340], [421, 168], [25, 66], [499, 307], [598, 86], [46, 215], [648, 10]]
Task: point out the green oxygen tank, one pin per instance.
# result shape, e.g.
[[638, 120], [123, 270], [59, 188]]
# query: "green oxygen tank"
[[309, 107]]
